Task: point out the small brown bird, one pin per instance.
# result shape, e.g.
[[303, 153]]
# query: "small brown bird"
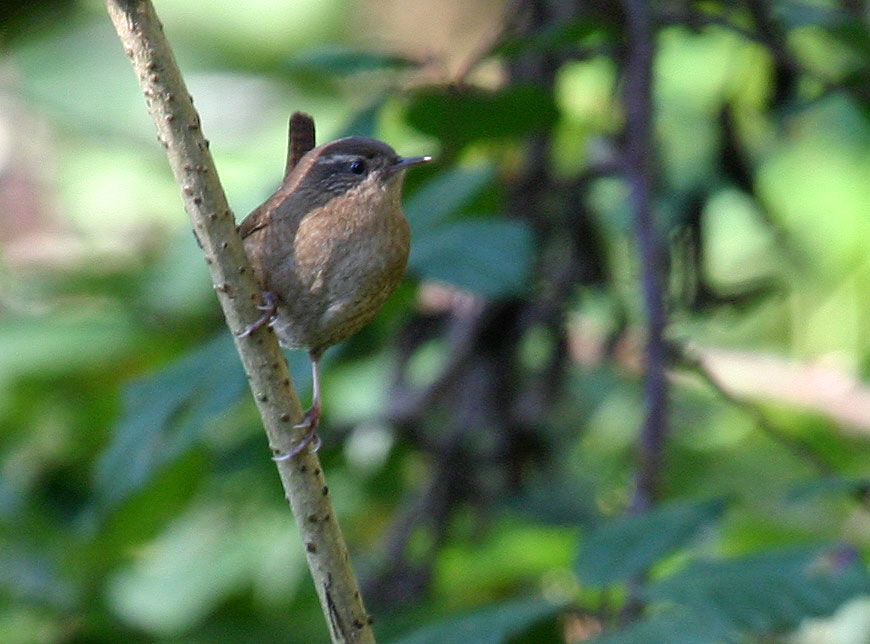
[[328, 248]]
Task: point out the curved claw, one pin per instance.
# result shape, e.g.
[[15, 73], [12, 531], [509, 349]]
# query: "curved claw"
[[310, 422], [310, 439], [269, 307], [311, 419]]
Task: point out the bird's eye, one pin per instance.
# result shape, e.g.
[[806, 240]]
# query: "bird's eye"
[[357, 167]]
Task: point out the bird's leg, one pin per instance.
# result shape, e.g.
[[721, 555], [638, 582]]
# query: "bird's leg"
[[311, 419], [269, 307]]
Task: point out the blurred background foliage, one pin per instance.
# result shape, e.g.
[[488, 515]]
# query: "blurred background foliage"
[[480, 436]]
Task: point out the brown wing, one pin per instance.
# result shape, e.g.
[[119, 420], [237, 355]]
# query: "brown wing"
[[287, 204], [301, 141], [257, 220]]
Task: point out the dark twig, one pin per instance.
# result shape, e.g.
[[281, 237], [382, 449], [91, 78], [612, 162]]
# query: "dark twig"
[[695, 361], [638, 172], [491, 409], [855, 9]]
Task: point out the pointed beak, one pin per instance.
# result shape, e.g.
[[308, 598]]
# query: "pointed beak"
[[407, 162]]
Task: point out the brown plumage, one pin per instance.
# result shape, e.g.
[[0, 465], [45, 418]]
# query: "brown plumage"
[[329, 246]]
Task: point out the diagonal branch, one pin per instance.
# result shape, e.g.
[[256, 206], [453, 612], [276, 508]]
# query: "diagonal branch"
[[178, 129], [693, 358]]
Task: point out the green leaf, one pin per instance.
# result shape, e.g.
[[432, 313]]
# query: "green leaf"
[[344, 61], [443, 195], [491, 625], [724, 601], [628, 546], [491, 257], [167, 412], [470, 114], [164, 414], [766, 592]]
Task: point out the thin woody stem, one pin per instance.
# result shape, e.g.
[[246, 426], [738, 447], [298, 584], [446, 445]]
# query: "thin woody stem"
[[638, 173], [178, 128]]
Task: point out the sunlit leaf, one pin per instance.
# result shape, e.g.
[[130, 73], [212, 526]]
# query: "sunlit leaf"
[[58, 344], [201, 558], [628, 546]]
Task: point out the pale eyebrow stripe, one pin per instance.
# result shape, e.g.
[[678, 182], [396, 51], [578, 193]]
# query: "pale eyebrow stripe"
[[338, 157]]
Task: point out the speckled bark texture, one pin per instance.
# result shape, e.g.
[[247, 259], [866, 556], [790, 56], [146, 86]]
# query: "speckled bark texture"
[[179, 131]]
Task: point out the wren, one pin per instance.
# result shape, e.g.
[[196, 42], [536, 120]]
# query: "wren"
[[329, 247]]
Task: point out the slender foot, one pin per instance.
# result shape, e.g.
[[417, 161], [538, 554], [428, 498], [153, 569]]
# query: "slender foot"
[[309, 423], [269, 307], [311, 420]]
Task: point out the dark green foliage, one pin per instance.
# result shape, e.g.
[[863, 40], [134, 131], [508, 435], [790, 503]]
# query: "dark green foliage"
[[444, 195], [164, 415], [491, 257], [365, 122], [492, 625], [461, 116], [488, 257], [671, 626], [764, 593], [710, 602], [557, 500], [626, 547]]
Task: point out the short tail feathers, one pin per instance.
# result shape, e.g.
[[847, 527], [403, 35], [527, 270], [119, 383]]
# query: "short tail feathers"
[[301, 139]]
